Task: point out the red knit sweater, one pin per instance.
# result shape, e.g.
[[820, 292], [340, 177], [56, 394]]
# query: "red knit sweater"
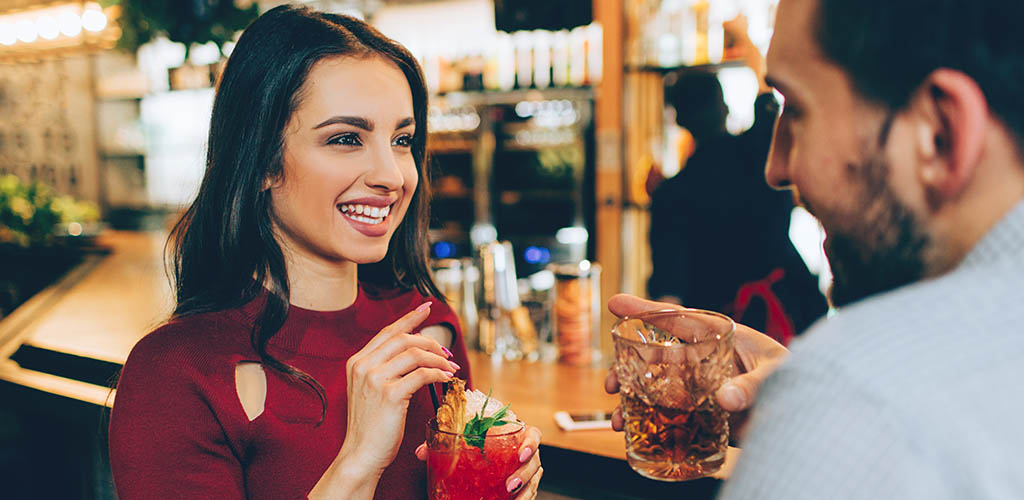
[[178, 430]]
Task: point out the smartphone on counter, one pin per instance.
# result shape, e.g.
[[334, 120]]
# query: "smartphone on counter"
[[584, 420]]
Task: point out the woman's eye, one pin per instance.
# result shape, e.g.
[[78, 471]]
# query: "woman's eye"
[[403, 141], [350, 139]]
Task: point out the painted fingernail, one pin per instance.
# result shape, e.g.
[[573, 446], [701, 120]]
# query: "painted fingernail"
[[446, 351], [424, 306], [449, 374], [525, 455], [420, 448], [513, 485]]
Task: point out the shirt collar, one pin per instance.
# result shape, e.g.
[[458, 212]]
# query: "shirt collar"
[[1004, 240]]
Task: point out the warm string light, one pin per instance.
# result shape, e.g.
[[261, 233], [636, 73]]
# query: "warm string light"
[[51, 23]]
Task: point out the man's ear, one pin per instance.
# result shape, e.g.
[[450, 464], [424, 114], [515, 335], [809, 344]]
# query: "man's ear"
[[950, 134]]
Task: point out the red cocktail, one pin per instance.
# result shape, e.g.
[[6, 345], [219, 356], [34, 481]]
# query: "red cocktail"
[[457, 469]]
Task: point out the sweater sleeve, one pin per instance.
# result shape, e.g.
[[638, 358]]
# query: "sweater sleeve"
[[166, 438]]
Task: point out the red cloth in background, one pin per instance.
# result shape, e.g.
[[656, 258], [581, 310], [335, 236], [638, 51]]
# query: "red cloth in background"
[[178, 430]]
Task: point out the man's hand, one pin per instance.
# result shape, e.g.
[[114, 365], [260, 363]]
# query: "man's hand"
[[757, 355]]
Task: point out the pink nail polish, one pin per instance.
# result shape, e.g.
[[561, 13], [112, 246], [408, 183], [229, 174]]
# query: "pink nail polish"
[[454, 366], [446, 351], [424, 306], [514, 484], [449, 374], [525, 455]]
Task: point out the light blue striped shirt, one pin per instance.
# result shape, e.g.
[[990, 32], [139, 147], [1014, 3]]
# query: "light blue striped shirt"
[[912, 394]]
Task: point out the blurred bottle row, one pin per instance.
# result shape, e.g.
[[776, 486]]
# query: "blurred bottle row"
[[521, 60], [673, 33]]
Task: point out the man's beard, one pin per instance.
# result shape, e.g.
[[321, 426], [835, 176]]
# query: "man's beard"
[[881, 248]]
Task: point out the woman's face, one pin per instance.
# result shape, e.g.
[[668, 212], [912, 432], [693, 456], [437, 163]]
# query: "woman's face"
[[348, 172]]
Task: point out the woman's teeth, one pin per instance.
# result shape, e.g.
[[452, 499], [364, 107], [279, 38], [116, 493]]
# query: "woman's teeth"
[[365, 213]]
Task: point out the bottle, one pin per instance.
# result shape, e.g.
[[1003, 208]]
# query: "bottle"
[[560, 58], [523, 42], [542, 59]]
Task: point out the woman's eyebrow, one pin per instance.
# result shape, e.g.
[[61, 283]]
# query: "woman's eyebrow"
[[355, 121]]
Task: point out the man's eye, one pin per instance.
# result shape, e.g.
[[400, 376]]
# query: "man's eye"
[[404, 141], [791, 111], [350, 139]]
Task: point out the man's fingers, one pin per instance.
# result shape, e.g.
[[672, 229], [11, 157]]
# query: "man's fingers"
[[611, 382], [628, 305], [732, 396], [618, 423]]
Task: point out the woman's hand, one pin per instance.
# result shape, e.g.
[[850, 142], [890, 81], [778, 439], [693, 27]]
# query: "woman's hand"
[[526, 479], [382, 377]]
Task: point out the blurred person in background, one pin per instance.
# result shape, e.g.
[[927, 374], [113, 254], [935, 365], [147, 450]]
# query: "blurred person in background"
[[290, 367], [903, 133], [719, 233]]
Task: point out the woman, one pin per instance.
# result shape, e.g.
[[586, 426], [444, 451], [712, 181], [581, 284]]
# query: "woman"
[[283, 372]]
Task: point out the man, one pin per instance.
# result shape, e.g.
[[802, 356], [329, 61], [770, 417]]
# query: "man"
[[720, 193], [902, 132]]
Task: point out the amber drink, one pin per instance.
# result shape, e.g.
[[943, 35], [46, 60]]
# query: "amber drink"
[[669, 365]]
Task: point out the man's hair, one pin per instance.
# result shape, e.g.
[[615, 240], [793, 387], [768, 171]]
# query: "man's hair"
[[699, 103], [888, 47]]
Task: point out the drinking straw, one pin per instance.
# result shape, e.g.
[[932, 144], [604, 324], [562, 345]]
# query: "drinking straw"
[[433, 398]]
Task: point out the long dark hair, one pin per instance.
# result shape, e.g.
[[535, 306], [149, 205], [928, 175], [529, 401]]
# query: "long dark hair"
[[224, 251]]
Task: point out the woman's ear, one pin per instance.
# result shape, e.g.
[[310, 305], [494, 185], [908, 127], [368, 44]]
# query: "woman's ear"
[[950, 133], [271, 181]]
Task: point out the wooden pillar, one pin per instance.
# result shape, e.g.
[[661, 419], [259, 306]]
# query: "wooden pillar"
[[608, 181]]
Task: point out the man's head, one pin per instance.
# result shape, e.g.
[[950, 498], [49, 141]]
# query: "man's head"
[[699, 104], [900, 129]]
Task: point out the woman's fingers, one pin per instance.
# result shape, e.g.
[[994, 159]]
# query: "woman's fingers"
[[366, 362], [405, 324], [529, 457], [408, 360], [530, 491], [530, 443], [406, 386]]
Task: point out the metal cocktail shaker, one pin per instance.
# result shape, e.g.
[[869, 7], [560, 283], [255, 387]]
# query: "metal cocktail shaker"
[[505, 326]]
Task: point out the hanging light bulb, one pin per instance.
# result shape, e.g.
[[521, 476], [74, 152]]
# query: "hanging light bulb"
[[47, 27], [26, 31], [70, 23], [94, 20], [7, 35]]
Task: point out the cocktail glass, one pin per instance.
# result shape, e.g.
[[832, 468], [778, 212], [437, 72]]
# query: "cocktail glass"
[[669, 364], [458, 470]]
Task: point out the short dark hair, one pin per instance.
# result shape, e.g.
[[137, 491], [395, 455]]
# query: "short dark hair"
[[888, 47], [699, 103], [225, 239]]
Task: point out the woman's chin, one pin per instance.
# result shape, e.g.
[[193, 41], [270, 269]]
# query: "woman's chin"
[[367, 256]]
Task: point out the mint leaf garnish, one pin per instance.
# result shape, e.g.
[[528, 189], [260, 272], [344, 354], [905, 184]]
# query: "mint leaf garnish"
[[477, 427]]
